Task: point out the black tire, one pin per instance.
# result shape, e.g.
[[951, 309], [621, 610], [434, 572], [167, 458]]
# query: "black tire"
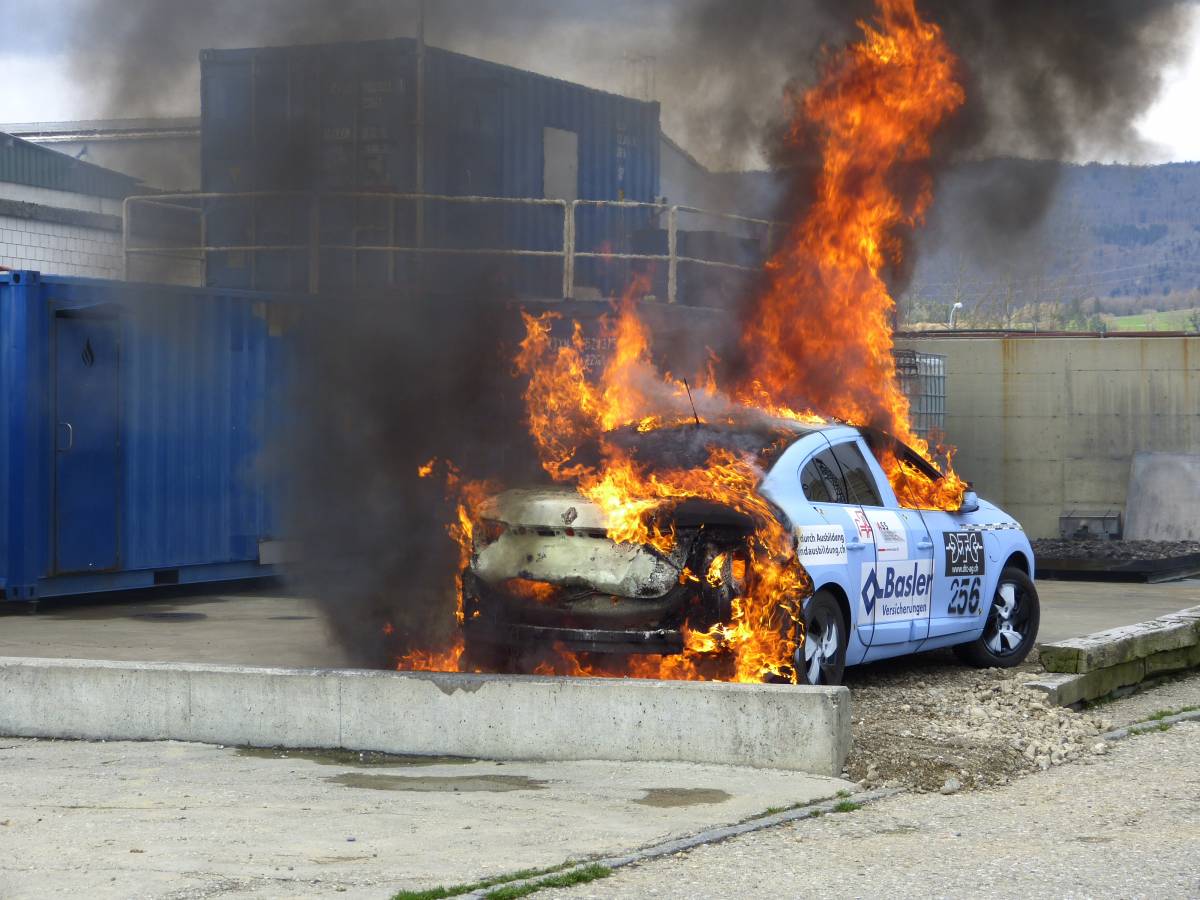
[[1011, 627], [821, 659]]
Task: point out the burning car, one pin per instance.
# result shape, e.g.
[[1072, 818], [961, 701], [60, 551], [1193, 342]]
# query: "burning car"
[[886, 580]]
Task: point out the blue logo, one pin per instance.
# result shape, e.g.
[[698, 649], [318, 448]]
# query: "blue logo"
[[900, 585], [869, 592]]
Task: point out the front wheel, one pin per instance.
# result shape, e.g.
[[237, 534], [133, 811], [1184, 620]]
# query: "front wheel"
[[1011, 627], [821, 659]]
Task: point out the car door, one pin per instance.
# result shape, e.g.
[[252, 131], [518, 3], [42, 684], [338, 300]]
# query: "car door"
[[895, 596], [960, 598], [831, 547]]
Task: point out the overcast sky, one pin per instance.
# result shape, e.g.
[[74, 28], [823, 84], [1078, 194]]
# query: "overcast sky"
[[603, 44]]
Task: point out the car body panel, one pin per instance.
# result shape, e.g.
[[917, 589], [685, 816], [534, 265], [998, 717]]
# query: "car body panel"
[[908, 580]]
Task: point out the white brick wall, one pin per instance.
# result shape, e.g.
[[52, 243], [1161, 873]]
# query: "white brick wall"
[[62, 199], [59, 249]]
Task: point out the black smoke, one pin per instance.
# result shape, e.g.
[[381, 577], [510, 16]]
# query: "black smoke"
[[1046, 80], [378, 385]]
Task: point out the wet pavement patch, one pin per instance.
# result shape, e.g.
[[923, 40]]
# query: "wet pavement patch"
[[361, 758], [493, 784], [667, 797]]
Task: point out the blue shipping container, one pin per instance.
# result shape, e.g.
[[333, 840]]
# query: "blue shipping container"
[[133, 419], [343, 117]]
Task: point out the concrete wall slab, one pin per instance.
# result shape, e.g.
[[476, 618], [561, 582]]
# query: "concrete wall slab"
[[485, 716]]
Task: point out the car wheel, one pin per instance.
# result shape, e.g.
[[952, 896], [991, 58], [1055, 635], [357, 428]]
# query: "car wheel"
[[1011, 627], [821, 659]]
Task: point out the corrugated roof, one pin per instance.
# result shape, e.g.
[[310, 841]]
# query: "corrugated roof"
[[22, 162], [104, 128]]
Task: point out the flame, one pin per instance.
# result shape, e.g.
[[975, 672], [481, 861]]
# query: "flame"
[[566, 411], [820, 334], [538, 591], [818, 343], [469, 497]]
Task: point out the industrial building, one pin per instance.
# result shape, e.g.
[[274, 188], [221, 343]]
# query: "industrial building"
[[325, 169], [60, 214]]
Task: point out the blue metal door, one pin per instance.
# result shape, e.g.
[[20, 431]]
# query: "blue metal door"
[[87, 350]]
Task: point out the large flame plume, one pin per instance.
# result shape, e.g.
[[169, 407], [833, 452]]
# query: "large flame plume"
[[818, 336], [820, 333]]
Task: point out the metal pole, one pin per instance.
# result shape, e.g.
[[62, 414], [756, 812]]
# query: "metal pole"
[[672, 256], [568, 250], [314, 244], [204, 243], [125, 239], [420, 149]]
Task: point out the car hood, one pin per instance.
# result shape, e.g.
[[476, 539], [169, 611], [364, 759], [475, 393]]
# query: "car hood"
[[558, 537]]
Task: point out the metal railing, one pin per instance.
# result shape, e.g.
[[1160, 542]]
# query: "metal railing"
[[204, 205]]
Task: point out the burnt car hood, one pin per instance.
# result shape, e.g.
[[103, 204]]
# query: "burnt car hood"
[[558, 537]]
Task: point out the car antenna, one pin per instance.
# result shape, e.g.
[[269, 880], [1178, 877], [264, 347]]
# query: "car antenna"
[[695, 414]]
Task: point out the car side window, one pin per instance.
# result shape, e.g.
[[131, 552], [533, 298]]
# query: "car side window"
[[821, 480], [859, 480]]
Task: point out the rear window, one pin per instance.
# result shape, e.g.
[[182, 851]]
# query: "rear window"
[[821, 480]]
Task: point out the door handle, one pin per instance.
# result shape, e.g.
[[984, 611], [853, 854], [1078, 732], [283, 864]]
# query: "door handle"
[[856, 545], [70, 436], [925, 544]]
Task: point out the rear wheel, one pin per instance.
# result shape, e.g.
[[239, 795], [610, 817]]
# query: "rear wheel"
[[1011, 627], [821, 659]]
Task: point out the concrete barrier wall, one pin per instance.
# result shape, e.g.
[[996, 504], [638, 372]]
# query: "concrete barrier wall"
[[1045, 425], [1093, 666], [484, 716]]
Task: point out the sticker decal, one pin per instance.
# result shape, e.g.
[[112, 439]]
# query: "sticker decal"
[[964, 553], [965, 597], [863, 524], [897, 591], [891, 538], [821, 545]]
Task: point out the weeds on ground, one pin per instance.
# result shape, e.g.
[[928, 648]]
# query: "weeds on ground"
[[1163, 713], [566, 879], [847, 806], [440, 893]]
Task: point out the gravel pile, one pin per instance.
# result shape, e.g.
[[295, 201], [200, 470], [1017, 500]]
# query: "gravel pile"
[[943, 727], [1114, 550]]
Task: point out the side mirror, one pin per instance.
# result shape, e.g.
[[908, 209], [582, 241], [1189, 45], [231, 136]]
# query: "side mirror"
[[970, 502]]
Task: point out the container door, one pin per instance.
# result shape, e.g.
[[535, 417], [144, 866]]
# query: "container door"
[[86, 443], [560, 164]]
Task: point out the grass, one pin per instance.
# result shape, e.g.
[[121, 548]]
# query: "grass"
[[1163, 713], [440, 893], [1166, 320], [843, 793], [846, 806], [566, 879]]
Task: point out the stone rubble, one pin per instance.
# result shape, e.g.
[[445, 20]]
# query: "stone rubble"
[[923, 728]]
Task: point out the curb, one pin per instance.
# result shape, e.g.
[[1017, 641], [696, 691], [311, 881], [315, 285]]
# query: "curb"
[[1096, 665], [1148, 725], [768, 726]]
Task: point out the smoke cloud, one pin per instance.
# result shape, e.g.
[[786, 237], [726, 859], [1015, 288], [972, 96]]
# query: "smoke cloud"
[[380, 385], [1049, 80]]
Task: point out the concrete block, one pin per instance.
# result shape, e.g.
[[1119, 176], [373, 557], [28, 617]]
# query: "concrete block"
[[1105, 649], [1056, 686], [1064, 689], [486, 716], [1173, 661], [1164, 489]]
